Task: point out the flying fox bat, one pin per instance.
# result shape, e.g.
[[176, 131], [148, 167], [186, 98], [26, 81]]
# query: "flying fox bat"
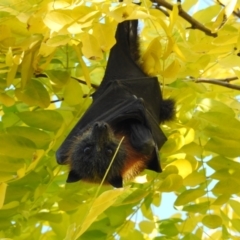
[[127, 103]]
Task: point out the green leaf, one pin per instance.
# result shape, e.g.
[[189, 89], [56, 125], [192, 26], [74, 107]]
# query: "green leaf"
[[189, 196], [197, 208], [34, 94], [16, 146], [212, 221], [49, 120], [168, 227], [104, 201], [225, 147], [220, 162], [228, 186], [73, 93], [171, 183], [51, 217], [223, 132], [40, 138], [195, 178], [58, 77]]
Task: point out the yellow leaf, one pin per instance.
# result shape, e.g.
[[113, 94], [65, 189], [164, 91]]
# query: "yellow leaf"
[[147, 226], [45, 51], [169, 48], [36, 158], [36, 25], [229, 7], [72, 90], [188, 4], [26, 68], [177, 50], [172, 70], [5, 32], [151, 64], [175, 142], [57, 20], [58, 40], [225, 39], [21, 171], [104, 33], [220, 20], [189, 136], [230, 61], [173, 17], [212, 221], [6, 100], [104, 201], [235, 206], [90, 46], [9, 57], [184, 167], [222, 199], [3, 188], [83, 65], [11, 74], [224, 15]]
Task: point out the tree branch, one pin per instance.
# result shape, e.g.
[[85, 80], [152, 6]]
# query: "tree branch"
[[220, 82], [194, 23]]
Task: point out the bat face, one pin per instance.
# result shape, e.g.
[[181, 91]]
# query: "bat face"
[[91, 154]]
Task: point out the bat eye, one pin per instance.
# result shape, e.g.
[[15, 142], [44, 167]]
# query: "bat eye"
[[87, 150], [109, 152]]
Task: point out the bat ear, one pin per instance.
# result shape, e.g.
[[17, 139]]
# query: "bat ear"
[[154, 164], [73, 177], [116, 182]]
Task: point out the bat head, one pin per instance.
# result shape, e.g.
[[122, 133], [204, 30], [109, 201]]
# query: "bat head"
[[92, 152]]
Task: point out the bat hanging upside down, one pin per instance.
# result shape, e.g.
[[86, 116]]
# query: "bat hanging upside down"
[[128, 104]]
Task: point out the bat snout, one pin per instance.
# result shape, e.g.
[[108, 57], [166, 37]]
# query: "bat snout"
[[100, 125]]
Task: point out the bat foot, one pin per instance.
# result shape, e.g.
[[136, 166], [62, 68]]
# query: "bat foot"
[[73, 177], [116, 182]]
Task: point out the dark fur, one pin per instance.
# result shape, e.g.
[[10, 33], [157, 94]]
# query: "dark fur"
[[92, 151]]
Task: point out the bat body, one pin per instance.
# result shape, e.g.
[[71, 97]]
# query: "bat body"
[[127, 104]]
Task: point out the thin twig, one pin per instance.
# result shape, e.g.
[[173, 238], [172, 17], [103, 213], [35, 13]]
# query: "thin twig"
[[84, 82], [219, 79], [223, 83], [194, 23], [58, 100]]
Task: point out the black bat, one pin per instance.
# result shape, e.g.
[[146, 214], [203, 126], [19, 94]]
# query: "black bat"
[[127, 103]]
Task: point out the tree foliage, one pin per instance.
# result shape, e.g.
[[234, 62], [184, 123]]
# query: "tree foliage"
[[53, 55]]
